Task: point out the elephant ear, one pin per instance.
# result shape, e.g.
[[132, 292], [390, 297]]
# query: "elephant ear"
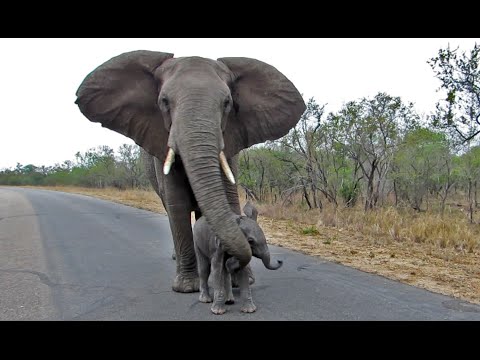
[[121, 94], [266, 104], [250, 211]]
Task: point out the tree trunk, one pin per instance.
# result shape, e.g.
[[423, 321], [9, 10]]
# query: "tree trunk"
[[475, 194], [470, 200], [305, 194]]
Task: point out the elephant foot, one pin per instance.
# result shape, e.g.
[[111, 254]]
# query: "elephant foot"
[[230, 301], [186, 284], [205, 298], [218, 309], [248, 308]]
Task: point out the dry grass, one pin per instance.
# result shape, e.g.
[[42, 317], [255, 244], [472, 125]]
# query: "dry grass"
[[420, 249], [389, 225]]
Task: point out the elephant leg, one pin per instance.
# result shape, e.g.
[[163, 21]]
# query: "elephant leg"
[[149, 166], [251, 278], [234, 201], [179, 208], [204, 273], [218, 282], [198, 214], [186, 279], [245, 292], [228, 289], [153, 169]]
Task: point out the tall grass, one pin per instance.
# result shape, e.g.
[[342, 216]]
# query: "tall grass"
[[389, 224]]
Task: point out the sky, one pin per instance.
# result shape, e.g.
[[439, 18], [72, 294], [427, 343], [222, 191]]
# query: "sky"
[[40, 124]]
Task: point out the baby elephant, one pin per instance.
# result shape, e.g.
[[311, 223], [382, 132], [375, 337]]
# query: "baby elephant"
[[210, 256]]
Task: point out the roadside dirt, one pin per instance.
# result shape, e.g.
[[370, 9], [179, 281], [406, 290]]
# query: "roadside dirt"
[[444, 271]]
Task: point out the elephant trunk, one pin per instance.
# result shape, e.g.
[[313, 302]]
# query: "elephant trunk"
[[199, 148], [266, 261]]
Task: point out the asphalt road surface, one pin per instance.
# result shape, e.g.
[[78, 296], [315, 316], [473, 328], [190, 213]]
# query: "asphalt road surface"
[[73, 257]]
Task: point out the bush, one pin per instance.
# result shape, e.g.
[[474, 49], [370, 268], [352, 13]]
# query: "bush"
[[349, 192]]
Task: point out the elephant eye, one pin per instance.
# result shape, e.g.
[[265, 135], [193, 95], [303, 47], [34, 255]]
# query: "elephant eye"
[[250, 240], [226, 103], [165, 101]]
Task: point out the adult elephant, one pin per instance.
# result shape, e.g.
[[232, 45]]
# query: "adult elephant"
[[192, 115]]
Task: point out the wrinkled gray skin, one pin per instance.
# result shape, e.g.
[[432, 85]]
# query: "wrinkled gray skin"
[[197, 107], [234, 276], [212, 258]]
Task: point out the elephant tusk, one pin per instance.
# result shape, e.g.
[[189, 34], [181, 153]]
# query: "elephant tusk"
[[226, 169], [168, 161]]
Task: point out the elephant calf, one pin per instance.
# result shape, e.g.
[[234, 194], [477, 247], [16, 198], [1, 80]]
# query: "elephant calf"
[[211, 257]]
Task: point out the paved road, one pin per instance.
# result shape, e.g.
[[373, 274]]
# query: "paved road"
[[73, 257]]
